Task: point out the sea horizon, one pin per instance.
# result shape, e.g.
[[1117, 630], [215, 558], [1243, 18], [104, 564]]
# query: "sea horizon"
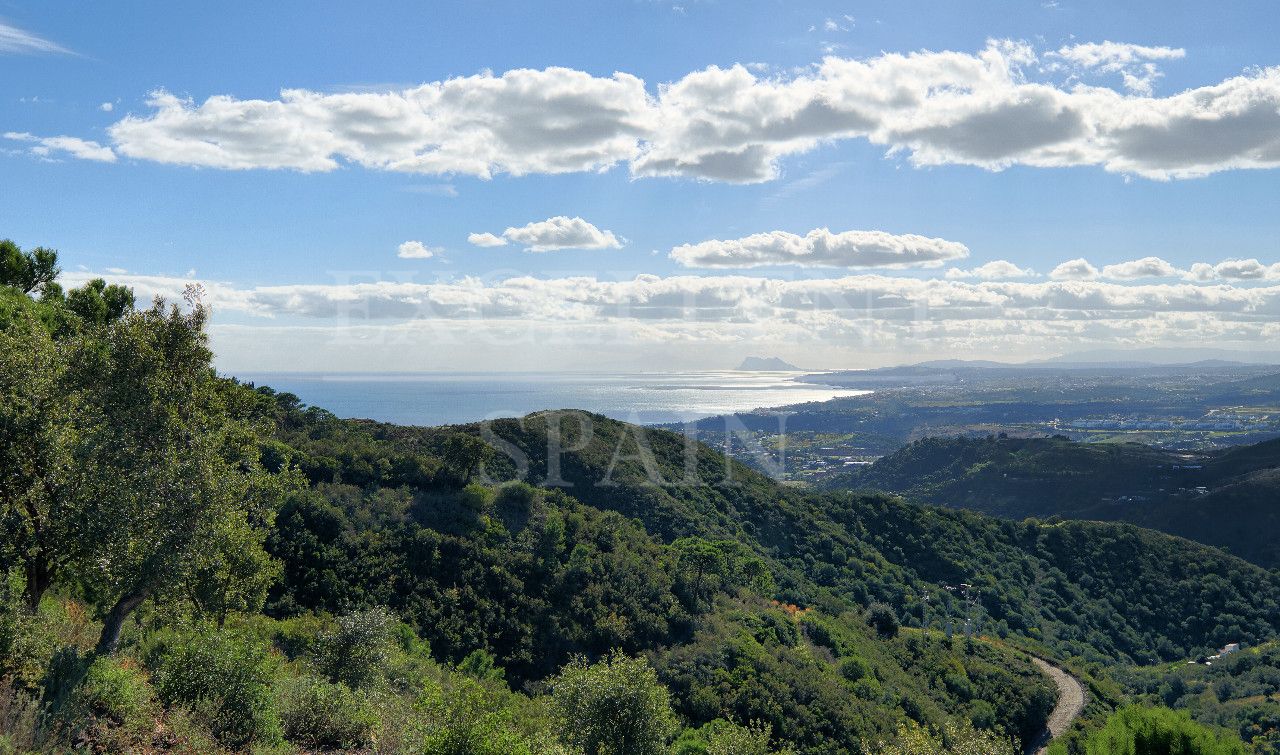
[[429, 398]]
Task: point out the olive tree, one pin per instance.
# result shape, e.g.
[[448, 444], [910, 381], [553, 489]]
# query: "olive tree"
[[168, 471]]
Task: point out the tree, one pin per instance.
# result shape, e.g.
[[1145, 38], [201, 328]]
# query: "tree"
[[98, 303], [614, 707], [883, 619], [163, 464], [698, 559], [27, 271], [463, 455], [36, 435]]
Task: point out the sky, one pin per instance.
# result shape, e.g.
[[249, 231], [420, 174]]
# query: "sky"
[[647, 185]]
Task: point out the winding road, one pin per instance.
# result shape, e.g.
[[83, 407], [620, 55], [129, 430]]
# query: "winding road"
[[1070, 704]]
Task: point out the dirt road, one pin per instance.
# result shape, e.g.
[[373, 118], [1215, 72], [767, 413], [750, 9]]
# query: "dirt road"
[[1070, 704]]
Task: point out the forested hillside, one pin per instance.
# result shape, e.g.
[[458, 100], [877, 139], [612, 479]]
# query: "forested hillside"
[[196, 565], [1228, 498]]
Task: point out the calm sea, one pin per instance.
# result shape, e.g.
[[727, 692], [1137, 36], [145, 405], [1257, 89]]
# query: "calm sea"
[[442, 398]]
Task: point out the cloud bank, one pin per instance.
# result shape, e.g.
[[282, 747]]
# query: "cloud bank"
[[1004, 105]]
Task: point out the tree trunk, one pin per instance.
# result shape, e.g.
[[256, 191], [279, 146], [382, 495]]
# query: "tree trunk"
[[39, 577], [115, 621]]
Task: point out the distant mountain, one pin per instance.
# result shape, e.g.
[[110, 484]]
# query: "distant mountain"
[[766, 364], [1229, 498], [1163, 356]]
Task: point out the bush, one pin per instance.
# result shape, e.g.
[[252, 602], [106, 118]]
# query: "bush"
[[225, 679], [1138, 729], [721, 737], [614, 707], [319, 714], [882, 618], [114, 689], [469, 718], [355, 651]]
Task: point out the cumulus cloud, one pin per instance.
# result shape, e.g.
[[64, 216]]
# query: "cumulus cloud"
[[1233, 270], [1074, 270], [1147, 267], [415, 250], [548, 235], [15, 41], [485, 239], [107, 107], [50, 146], [821, 248], [551, 121], [994, 270], [998, 107]]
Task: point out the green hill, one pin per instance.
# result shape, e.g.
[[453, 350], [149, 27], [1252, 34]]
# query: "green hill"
[[194, 565], [1228, 498]]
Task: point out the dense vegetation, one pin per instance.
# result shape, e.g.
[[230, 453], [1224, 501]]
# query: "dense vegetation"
[[1240, 692], [197, 565], [1226, 498]]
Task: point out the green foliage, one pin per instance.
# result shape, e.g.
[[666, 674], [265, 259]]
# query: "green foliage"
[[721, 737], [481, 665], [953, 739], [613, 707], [883, 619], [1137, 730], [28, 271], [315, 713], [1222, 499], [355, 650], [117, 690], [471, 718], [225, 679], [1240, 692], [97, 303]]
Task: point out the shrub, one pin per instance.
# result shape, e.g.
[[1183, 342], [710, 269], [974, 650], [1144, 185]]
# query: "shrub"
[[1140, 729], [882, 618], [25, 642], [721, 737], [614, 707], [469, 718], [114, 689], [320, 714], [224, 678], [854, 668], [355, 651]]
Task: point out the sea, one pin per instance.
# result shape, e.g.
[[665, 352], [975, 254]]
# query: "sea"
[[447, 398]]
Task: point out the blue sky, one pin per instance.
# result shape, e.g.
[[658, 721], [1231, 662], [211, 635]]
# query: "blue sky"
[[276, 245]]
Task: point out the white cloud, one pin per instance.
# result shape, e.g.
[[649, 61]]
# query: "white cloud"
[[106, 107], [15, 41], [560, 232], [49, 146], [1234, 270], [833, 312], [821, 248], [995, 108], [485, 239], [415, 250], [1133, 62], [994, 270], [1147, 267], [552, 121], [1074, 270]]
